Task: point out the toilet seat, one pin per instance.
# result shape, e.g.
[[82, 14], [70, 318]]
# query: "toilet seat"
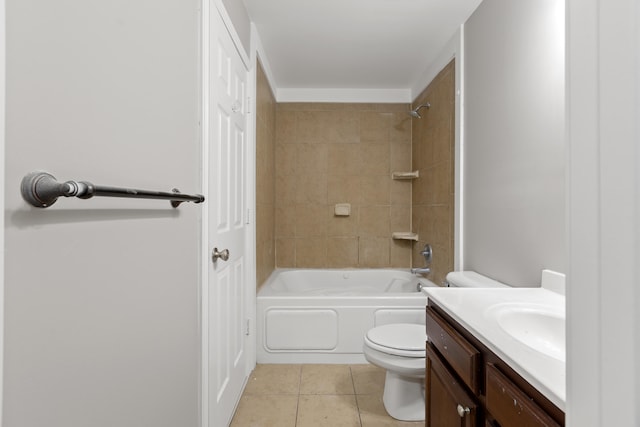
[[400, 350], [400, 339]]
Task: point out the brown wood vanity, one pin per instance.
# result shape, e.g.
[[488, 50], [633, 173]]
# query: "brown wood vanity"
[[467, 385]]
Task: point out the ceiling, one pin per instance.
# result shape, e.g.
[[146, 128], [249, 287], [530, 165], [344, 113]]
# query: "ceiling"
[[354, 44]]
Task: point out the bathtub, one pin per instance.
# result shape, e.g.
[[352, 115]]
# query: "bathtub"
[[321, 316]]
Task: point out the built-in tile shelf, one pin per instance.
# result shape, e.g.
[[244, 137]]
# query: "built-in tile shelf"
[[404, 235], [405, 175]]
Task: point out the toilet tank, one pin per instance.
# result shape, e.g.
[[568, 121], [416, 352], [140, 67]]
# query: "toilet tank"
[[471, 279]]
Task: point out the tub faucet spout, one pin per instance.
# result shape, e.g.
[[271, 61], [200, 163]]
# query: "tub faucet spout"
[[427, 253]]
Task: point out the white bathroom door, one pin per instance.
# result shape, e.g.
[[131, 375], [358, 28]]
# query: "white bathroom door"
[[227, 225]]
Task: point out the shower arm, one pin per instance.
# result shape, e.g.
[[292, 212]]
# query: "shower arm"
[[41, 189], [415, 112]]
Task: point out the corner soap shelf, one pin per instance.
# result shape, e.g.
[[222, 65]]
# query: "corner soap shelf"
[[405, 175], [404, 235]]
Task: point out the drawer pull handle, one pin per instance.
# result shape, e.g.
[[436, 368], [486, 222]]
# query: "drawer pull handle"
[[462, 411]]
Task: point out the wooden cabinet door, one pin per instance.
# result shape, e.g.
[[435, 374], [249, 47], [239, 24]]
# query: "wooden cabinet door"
[[447, 402]]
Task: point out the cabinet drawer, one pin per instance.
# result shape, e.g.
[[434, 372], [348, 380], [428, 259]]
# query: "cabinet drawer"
[[510, 406], [463, 357]]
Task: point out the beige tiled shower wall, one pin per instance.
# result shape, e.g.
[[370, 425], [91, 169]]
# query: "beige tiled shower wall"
[[265, 177], [434, 156], [341, 153]]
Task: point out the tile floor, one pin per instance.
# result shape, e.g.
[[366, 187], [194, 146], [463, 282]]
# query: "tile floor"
[[315, 396]]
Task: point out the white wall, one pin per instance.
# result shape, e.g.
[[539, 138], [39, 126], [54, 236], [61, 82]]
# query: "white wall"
[[102, 294], [3, 40], [514, 140], [603, 296], [449, 51], [240, 23]]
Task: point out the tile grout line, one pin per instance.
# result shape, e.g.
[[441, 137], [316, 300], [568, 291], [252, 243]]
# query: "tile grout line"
[[355, 395], [298, 400]]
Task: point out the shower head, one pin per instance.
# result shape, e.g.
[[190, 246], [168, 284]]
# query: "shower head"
[[414, 112]]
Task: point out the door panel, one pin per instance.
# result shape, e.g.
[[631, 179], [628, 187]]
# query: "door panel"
[[227, 225]]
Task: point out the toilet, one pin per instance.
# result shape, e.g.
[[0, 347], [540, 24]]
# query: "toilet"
[[400, 349]]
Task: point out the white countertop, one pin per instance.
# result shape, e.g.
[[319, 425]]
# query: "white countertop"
[[470, 308]]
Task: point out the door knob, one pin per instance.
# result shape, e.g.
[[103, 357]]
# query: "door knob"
[[223, 254]]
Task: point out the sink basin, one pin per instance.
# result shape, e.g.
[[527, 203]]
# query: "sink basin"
[[539, 327]]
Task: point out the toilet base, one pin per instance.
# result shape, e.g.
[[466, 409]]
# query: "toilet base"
[[403, 397]]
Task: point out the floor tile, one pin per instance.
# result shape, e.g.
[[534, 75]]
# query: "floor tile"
[[274, 379], [266, 411], [368, 379], [315, 396], [327, 411], [373, 414], [326, 379]]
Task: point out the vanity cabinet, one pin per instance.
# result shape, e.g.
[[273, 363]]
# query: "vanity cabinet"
[[467, 385]]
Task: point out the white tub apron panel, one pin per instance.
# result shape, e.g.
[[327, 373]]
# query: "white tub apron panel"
[[322, 316]]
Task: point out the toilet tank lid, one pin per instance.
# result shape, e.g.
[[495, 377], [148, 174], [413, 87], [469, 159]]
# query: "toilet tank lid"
[[471, 279]]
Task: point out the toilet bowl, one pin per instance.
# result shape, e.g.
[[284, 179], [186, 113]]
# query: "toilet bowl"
[[400, 349]]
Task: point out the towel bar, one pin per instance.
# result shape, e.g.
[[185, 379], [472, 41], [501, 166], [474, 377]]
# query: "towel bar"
[[41, 189]]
